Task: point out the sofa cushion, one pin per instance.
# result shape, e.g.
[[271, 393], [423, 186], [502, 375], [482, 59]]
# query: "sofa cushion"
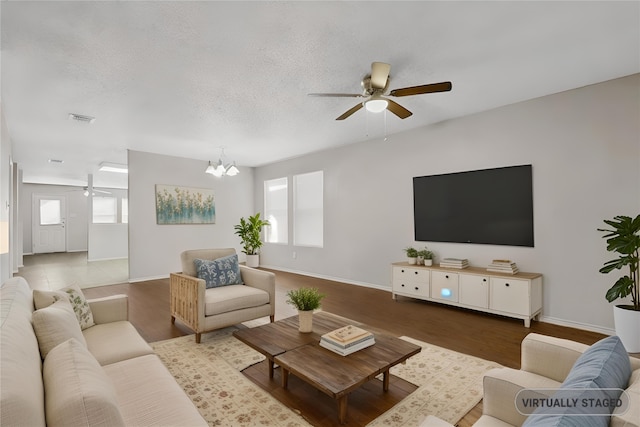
[[115, 341], [73, 293], [21, 389], [597, 376], [232, 298], [149, 395], [219, 272], [629, 417], [56, 324], [77, 390]]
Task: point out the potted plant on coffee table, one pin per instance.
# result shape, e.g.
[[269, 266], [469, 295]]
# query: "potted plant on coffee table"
[[623, 238], [249, 232], [305, 300]]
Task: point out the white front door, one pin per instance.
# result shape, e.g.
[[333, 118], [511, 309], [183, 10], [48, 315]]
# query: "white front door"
[[49, 218]]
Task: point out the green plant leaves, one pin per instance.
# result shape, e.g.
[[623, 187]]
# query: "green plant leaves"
[[623, 237]]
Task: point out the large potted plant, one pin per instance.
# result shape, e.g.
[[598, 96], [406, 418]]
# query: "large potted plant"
[[623, 238], [305, 300], [249, 232]]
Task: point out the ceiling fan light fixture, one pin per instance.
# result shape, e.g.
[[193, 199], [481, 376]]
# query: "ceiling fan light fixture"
[[376, 105]]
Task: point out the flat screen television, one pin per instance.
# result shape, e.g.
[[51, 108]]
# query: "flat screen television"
[[489, 206]]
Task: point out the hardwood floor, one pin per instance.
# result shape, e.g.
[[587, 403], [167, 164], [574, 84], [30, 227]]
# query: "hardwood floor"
[[479, 334]]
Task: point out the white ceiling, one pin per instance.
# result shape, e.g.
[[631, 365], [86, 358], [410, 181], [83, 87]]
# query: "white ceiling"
[[186, 78]]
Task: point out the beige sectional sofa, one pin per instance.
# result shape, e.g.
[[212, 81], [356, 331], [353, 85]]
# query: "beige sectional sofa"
[[105, 375], [546, 363]]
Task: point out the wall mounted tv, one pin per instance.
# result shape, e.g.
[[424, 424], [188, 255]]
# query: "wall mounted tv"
[[489, 206]]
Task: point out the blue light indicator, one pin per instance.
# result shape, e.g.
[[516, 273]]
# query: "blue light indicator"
[[446, 293]]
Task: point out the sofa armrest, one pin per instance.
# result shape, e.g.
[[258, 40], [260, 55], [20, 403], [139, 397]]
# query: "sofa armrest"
[[260, 279], [500, 387], [186, 300], [549, 356], [109, 309]]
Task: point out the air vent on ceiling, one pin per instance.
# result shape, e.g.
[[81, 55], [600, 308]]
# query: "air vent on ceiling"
[[81, 118], [58, 161]]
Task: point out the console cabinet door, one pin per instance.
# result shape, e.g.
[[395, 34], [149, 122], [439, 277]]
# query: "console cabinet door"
[[510, 295], [444, 286], [411, 281], [474, 290]]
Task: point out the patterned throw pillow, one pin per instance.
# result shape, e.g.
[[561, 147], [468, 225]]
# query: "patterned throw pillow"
[[219, 272], [75, 296]]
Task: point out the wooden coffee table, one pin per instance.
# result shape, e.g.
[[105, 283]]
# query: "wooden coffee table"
[[301, 355]]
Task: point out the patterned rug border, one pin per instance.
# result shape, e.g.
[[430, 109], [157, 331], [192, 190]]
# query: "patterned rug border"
[[449, 383]]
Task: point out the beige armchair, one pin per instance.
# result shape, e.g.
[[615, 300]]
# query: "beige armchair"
[[204, 310]]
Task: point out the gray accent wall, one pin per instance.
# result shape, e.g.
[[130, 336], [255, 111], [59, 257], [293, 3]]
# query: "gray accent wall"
[[154, 250], [584, 146]]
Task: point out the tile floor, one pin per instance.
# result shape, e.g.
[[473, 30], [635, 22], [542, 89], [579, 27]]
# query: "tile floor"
[[57, 270]]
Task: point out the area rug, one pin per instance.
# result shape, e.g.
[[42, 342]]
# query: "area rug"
[[449, 383]]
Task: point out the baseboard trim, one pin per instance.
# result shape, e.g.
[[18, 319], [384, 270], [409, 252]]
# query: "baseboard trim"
[[106, 259], [577, 325], [332, 278], [144, 279]]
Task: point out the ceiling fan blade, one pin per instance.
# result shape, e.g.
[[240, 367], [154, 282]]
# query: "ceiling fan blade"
[[398, 109], [379, 75], [350, 112], [418, 90], [341, 95]]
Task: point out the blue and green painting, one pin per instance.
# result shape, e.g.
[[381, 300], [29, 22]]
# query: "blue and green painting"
[[183, 205]]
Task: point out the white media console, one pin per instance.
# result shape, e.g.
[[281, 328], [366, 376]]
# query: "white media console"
[[513, 295]]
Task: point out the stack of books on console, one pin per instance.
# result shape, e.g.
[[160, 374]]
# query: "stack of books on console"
[[503, 266], [347, 340], [454, 263]]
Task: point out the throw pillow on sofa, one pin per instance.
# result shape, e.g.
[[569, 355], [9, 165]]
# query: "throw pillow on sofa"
[[597, 377], [77, 390], [219, 272], [73, 293], [54, 325]]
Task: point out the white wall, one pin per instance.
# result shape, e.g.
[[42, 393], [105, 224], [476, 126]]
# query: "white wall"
[[5, 197], [584, 146], [154, 250]]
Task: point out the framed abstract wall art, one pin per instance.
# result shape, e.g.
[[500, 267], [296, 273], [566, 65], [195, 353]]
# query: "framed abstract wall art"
[[184, 205]]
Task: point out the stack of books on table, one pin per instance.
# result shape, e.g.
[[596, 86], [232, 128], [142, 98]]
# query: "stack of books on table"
[[503, 266], [454, 263], [347, 340]]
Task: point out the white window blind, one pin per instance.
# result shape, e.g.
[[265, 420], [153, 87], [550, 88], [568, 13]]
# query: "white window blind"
[[276, 210]]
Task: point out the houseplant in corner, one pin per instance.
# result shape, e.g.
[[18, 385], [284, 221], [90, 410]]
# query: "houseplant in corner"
[[249, 232], [623, 238], [305, 300]]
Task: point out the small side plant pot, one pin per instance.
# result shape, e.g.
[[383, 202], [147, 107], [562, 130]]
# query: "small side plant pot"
[[412, 260], [253, 260], [428, 262], [305, 321]]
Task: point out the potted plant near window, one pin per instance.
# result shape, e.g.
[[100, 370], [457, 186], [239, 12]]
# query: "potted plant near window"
[[412, 255], [305, 300], [623, 238], [426, 255], [249, 232]]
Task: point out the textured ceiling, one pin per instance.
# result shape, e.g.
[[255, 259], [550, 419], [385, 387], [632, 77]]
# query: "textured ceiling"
[[186, 78]]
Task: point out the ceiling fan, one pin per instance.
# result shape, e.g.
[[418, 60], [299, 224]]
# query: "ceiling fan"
[[85, 190], [374, 87]]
